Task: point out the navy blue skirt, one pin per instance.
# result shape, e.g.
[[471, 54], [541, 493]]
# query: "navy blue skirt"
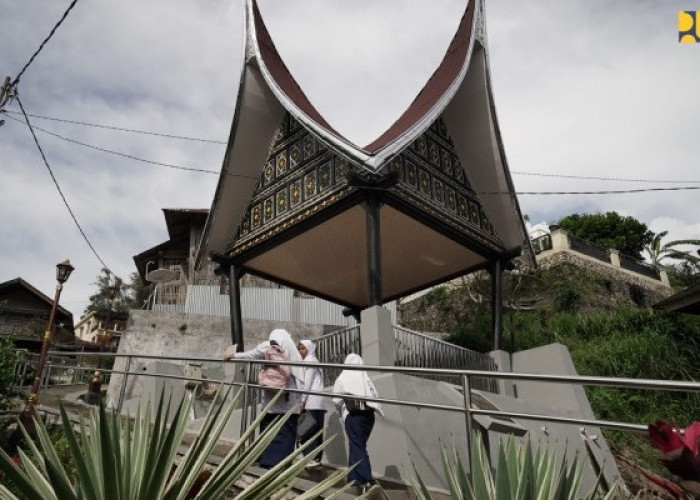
[[283, 443]]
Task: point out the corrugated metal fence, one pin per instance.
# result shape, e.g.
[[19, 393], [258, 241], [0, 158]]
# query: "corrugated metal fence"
[[274, 304]]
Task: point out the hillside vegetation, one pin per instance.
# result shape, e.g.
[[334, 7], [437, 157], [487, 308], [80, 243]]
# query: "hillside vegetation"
[[606, 330]]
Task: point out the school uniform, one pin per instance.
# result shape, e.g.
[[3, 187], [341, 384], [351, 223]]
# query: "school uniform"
[[312, 404], [359, 421], [284, 442]]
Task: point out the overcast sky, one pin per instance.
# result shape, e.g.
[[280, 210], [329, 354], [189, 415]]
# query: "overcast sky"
[[582, 87]]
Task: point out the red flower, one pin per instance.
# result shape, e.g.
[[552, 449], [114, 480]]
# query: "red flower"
[[680, 450], [667, 439]]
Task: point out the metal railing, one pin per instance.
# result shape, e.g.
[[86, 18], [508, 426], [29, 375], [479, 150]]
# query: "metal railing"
[[335, 346], [588, 248], [59, 370], [416, 349], [634, 265], [464, 382]]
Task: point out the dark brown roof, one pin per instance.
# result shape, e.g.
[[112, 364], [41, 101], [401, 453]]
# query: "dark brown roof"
[[437, 84], [179, 220], [280, 73], [19, 282]]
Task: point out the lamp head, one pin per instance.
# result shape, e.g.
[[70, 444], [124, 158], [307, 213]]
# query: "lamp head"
[[63, 271]]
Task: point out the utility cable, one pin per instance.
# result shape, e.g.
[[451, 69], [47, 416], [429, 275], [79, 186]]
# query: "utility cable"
[[616, 191], [36, 53], [212, 141], [123, 129], [587, 177], [131, 157], [519, 193], [60, 192]]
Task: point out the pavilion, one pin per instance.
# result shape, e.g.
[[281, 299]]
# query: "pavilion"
[[429, 199]]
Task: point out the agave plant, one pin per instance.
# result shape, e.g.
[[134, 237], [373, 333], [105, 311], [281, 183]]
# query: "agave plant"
[[122, 459], [521, 474]]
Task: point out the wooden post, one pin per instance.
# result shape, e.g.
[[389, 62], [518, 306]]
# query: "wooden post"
[[234, 275], [497, 304], [374, 256]]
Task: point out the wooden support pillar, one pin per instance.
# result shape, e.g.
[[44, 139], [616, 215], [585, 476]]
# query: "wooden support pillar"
[[497, 304], [374, 256], [234, 276]]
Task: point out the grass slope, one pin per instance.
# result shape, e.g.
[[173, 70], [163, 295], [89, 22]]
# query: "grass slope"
[[606, 333]]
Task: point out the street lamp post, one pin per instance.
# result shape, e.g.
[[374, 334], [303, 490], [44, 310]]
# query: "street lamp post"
[[93, 395], [63, 271]]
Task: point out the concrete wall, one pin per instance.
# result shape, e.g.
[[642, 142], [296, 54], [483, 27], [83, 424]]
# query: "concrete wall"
[[188, 335], [411, 435], [566, 400]]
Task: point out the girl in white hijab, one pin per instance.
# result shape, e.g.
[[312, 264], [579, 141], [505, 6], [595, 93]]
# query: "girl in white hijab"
[[283, 444], [358, 417], [314, 405]]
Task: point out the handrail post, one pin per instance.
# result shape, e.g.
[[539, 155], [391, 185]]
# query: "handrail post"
[[47, 376], [244, 408], [23, 375], [468, 415], [122, 390]]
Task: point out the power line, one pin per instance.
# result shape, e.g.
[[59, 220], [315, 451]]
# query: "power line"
[[616, 191], [586, 177], [123, 129], [36, 53], [131, 157], [212, 141], [519, 193], [60, 192]]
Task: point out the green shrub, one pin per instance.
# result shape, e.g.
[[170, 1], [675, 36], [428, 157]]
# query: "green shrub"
[[566, 298], [521, 473], [120, 459], [8, 357]]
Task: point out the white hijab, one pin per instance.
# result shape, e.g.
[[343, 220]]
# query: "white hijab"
[[357, 382], [310, 351], [284, 339]]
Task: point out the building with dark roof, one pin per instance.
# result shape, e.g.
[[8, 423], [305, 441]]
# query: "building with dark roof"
[[24, 314]]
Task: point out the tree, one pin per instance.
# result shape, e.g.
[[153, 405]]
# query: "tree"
[[659, 252], [612, 230], [683, 274], [131, 295], [137, 291]]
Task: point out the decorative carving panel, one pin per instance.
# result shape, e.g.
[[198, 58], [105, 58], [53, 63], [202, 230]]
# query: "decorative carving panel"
[[300, 176], [430, 172]]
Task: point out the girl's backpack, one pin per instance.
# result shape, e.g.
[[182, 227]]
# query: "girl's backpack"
[[274, 376]]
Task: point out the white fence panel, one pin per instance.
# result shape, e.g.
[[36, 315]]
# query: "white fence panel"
[[273, 304]]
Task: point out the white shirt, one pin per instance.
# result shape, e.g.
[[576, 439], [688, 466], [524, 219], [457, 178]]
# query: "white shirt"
[[313, 381], [357, 383]]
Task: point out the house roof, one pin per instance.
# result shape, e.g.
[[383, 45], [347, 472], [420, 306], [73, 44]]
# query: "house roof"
[[686, 301], [179, 220], [141, 260], [459, 90], [20, 283]]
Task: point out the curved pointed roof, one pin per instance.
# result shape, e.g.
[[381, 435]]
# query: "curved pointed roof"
[[458, 90], [420, 113]]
